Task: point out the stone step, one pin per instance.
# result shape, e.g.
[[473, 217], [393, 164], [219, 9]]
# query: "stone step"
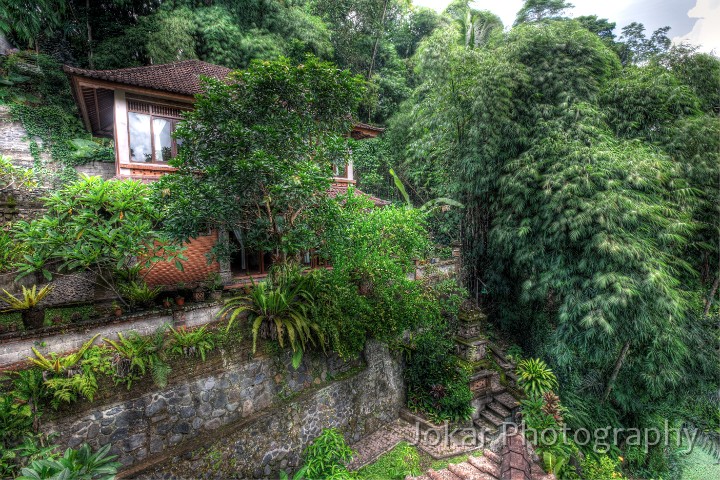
[[486, 465], [499, 409], [492, 456], [492, 417], [466, 471], [507, 400], [485, 426], [442, 475]]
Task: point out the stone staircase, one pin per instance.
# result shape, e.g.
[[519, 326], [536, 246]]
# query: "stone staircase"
[[493, 378], [515, 461]]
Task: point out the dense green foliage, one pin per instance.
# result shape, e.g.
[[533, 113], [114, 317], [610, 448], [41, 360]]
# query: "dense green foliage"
[[109, 228], [266, 143], [327, 456], [437, 385], [278, 309], [588, 168]]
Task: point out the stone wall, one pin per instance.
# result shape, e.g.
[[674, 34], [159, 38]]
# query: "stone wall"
[[15, 144], [104, 170], [243, 417]]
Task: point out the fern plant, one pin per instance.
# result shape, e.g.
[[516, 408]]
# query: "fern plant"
[[65, 376], [535, 377], [191, 342], [138, 292], [276, 309], [135, 355], [56, 364], [29, 387]]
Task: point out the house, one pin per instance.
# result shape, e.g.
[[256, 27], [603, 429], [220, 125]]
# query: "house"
[[139, 108]]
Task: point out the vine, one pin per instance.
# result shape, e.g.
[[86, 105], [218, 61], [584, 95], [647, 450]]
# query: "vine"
[[37, 94]]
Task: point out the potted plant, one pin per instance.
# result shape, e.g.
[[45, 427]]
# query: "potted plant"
[[167, 302], [117, 310], [179, 297], [27, 305], [215, 285]]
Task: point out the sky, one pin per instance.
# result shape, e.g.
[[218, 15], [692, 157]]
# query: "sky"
[[694, 21]]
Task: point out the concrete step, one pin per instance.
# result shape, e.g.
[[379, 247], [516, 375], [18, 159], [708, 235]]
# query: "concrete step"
[[507, 400], [492, 417], [485, 426], [492, 456], [442, 475], [499, 409], [486, 465], [466, 471]]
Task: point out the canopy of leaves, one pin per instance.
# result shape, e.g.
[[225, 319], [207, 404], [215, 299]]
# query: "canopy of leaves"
[[258, 153], [105, 227], [587, 228]]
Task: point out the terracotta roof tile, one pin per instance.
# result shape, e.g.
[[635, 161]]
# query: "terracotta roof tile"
[[177, 77]]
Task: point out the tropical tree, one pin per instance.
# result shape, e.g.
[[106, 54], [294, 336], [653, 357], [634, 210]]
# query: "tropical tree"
[[541, 11], [27, 20], [265, 143], [586, 221], [108, 228]]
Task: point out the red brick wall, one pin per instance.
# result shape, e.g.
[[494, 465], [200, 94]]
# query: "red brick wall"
[[195, 268]]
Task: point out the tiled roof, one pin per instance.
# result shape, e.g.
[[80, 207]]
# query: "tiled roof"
[[177, 77], [342, 188]]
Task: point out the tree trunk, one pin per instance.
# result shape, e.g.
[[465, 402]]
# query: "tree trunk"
[[5, 46], [89, 33], [377, 41], [616, 370], [713, 290], [711, 297]]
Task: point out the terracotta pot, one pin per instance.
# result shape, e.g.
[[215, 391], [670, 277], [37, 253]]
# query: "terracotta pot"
[[166, 303], [118, 312], [180, 301], [33, 318]]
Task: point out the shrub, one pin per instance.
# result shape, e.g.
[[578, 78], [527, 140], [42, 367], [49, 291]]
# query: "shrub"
[[69, 376], [278, 308], [10, 251], [137, 292], [436, 384], [601, 468], [326, 456], [80, 464], [106, 227], [134, 355], [535, 377], [191, 342]]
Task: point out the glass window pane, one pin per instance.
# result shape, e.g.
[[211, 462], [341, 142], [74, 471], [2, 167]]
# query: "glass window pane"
[[162, 129], [140, 145]]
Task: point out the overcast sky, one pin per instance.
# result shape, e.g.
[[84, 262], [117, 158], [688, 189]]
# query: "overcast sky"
[[697, 21]]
